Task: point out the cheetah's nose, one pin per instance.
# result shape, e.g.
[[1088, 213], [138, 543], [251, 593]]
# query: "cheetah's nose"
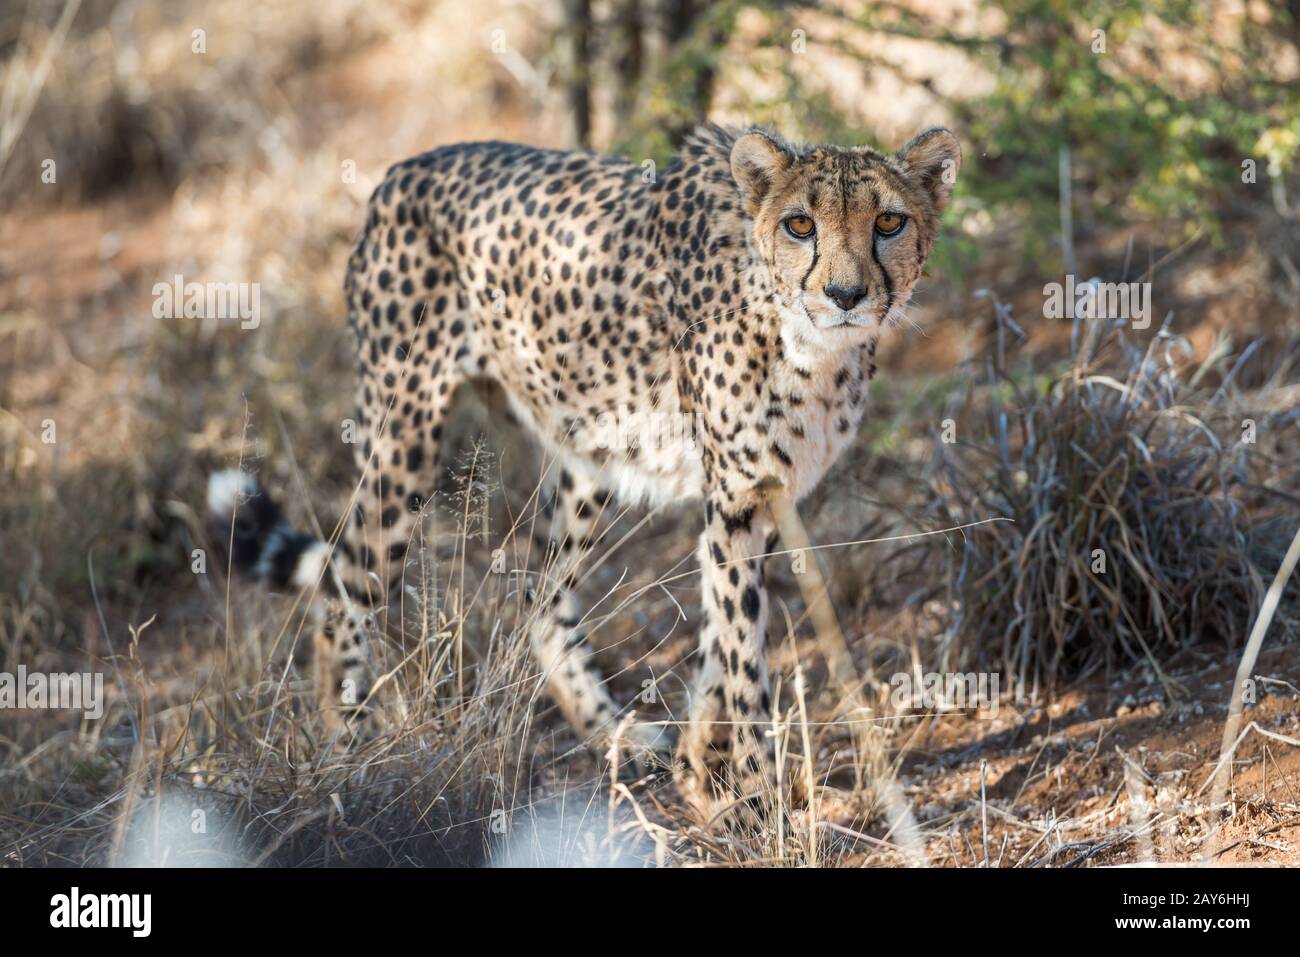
[[846, 297]]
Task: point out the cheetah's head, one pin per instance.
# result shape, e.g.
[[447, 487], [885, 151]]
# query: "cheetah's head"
[[845, 232]]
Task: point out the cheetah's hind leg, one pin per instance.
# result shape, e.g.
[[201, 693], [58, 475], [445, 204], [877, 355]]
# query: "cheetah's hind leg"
[[558, 636], [343, 664]]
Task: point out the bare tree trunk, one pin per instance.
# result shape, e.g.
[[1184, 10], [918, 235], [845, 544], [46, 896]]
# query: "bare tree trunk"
[[630, 24], [680, 23], [675, 20], [577, 25]]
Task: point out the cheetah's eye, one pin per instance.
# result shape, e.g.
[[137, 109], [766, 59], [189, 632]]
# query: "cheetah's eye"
[[800, 227], [887, 224]]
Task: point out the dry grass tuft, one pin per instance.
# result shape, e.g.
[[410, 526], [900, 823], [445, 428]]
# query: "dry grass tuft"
[[1144, 519]]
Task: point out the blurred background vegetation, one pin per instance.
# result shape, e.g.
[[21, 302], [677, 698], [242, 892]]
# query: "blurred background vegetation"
[[1179, 116], [1154, 112]]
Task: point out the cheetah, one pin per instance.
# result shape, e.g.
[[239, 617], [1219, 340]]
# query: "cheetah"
[[746, 287]]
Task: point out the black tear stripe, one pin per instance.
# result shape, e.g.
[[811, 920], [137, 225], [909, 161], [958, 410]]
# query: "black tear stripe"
[[889, 283], [844, 187], [803, 283]]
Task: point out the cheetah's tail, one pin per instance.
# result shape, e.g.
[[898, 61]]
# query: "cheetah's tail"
[[263, 544]]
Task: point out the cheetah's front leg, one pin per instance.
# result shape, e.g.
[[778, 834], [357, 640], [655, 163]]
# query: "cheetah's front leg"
[[730, 695]]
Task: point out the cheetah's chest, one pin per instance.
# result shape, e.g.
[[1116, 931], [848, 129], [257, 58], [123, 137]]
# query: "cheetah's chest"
[[824, 429]]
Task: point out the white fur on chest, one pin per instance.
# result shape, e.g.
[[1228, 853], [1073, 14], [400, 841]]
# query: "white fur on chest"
[[816, 428], [820, 445]]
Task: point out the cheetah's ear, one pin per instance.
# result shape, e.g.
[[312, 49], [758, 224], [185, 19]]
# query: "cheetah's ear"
[[756, 160], [933, 157]]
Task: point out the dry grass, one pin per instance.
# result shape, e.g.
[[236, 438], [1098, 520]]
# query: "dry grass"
[[463, 762], [1143, 521]]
